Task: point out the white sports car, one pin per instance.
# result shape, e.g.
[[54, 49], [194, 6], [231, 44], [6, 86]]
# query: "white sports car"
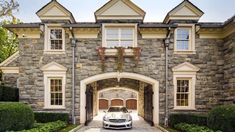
[[117, 117]]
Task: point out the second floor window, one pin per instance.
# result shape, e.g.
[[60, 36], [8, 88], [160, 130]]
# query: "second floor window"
[[119, 37], [183, 39], [56, 39]]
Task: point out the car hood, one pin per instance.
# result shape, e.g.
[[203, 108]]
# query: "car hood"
[[117, 115]]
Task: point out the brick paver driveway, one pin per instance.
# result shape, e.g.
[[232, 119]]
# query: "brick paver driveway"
[[139, 125]]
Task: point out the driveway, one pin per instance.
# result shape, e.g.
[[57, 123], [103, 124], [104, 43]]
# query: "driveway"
[[139, 125]]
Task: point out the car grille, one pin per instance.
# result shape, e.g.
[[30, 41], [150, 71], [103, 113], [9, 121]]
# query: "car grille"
[[117, 120]]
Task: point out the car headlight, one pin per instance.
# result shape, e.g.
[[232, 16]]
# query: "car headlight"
[[129, 119], [105, 118]]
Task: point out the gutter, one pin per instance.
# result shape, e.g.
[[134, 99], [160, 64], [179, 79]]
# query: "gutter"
[[166, 44], [73, 44]]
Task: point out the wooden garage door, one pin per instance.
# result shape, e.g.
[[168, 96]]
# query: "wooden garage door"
[[103, 104], [117, 102], [131, 104]]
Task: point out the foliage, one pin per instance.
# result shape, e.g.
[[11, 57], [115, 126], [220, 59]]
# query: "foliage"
[[222, 118], [137, 53], [101, 53], [7, 7], [120, 58], [48, 127], [184, 127], [68, 128], [188, 118], [15, 116], [8, 40], [44, 117], [9, 94]]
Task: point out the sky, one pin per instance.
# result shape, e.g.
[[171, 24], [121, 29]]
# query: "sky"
[[156, 10]]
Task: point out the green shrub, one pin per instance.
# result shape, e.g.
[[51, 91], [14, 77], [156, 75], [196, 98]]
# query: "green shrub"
[[48, 127], [9, 94], [200, 120], [184, 127], [44, 117], [15, 116], [222, 118]]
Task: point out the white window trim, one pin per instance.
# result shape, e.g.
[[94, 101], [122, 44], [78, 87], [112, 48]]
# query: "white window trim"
[[191, 76], [192, 49], [47, 100], [47, 43], [125, 25]]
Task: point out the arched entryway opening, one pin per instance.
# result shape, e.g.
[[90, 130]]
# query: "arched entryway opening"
[[121, 77]]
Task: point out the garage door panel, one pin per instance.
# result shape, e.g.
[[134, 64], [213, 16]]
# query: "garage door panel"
[[131, 104], [117, 102], [103, 104]]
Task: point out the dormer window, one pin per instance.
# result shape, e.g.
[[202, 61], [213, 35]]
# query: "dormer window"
[[54, 39], [184, 39], [119, 35]]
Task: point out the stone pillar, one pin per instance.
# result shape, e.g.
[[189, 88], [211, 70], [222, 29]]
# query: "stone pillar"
[[141, 99], [95, 98]]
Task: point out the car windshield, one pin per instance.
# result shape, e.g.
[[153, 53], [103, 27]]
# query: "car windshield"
[[118, 109]]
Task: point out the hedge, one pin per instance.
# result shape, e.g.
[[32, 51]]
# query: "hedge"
[[43, 117], [222, 118], [48, 127], [15, 116], [184, 127], [9, 94], [200, 120]]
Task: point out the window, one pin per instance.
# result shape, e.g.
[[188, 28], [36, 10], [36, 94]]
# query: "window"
[[182, 39], [54, 76], [56, 92], [184, 80], [56, 40], [182, 93], [119, 35], [185, 39]]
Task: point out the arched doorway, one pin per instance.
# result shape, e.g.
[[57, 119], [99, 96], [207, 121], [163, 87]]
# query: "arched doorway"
[[154, 84]]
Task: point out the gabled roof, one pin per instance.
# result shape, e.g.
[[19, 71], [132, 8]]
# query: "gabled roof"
[[120, 9], [55, 11], [184, 11], [10, 59]]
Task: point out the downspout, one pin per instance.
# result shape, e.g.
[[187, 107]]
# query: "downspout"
[[166, 44], [73, 44]]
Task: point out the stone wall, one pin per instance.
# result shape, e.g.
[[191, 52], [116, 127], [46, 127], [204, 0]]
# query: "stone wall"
[[229, 69], [31, 85], [117, 93], [209, 79], [10, 79]]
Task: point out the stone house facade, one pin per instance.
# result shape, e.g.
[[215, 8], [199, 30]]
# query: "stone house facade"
[[178, 65]]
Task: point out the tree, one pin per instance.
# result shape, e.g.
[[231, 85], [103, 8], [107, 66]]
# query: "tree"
[[7, 7], [8, 40]]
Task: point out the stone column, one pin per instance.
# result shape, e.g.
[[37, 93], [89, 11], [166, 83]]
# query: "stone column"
[[141, 99]]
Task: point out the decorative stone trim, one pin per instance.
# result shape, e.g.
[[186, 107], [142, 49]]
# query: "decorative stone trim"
[[10, 59]]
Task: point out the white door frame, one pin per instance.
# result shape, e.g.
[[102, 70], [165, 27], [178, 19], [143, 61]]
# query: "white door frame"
[[119, 75]]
